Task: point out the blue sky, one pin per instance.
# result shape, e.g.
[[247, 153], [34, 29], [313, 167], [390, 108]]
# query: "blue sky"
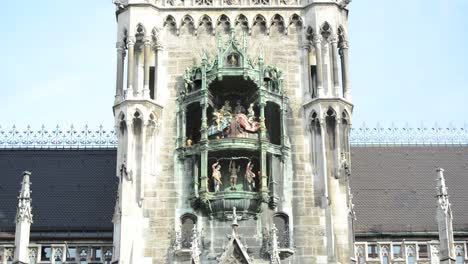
[[408, 62]]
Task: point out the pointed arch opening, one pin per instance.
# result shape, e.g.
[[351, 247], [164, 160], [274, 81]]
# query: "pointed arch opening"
[[281, 221], [188, 224]]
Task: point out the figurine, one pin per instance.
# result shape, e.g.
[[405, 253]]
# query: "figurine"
[[217, 118], [216, 175], [251, 113], [227, 108], [250, 177], [239, 108], [233, 171], [189, 142]]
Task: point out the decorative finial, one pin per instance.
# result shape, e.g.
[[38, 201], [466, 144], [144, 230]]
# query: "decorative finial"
[[234, 224], [24, 200], [441, 187]]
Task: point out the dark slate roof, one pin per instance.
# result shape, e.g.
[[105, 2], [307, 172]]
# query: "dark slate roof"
[[394, 187], [72, 190]]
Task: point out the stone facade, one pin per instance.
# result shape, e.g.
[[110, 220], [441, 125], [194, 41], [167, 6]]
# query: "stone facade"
[[157, 42]]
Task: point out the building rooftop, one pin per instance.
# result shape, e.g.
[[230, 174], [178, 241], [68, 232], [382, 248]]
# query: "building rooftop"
[[394, 187]]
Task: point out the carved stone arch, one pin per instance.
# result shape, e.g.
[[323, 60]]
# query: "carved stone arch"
[[295, 21], [278, 21], [331, 112], [326, 30], [260, 21], [171, 23], [187, 25], [155, 36], [140, 32], [243, 22], [224, 22], [137, 113], [309, 33], [206, 22], [341, 32], [121, 123], [188, 222], [281, 222]]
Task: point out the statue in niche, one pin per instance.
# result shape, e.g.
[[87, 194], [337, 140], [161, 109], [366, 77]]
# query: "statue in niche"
[[345, 166], [227, 108], [232, 60], [251, 113], [226, 124], [240, 109], [247, 122], [250, 177], [216, 175], [234, 171], [217, 119]]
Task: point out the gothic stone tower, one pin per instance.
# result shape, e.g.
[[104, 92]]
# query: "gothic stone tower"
[[233, 120]]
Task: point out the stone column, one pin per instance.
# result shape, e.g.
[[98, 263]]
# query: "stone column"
[[120, 71], [318, 50], [204, 124], [157, 61], [130, 66], [306, 67], [336, 74], [262, 120], [23, 221], [147, 51], [344, 70]]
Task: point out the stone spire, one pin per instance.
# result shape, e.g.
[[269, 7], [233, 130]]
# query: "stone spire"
[[23, 221], [444, 221]]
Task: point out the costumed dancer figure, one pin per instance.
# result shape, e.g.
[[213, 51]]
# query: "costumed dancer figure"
[[234, 171], [250, 177], [216, 175]]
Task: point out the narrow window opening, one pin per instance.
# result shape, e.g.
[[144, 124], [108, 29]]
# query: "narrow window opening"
[[372, 251], [151, 82]]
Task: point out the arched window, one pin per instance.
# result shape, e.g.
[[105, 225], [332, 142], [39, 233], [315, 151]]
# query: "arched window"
[[360, 255], [58, 255], [32, 256], [385, 255], [281, 221], [410, 254], [188, 222], [108, 256], [460, 254], [372, 251], [83, 256]]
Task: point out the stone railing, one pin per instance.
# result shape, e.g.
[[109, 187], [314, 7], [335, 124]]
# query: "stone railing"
[[106, 138]]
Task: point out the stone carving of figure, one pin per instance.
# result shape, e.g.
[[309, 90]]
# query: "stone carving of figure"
[[345, 165], [250, 177], [227, 108], [232, 60], [217, 118], [251, 113], [234, 171], [216, 175], [239, 108]]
